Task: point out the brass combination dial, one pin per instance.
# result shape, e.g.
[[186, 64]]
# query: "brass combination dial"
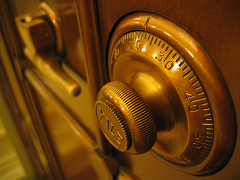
[[166, 94]]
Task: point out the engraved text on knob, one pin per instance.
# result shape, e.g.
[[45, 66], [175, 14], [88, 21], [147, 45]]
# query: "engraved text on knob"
[[110, 127]]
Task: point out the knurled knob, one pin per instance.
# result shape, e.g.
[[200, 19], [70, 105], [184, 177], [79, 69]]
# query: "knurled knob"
[[125, 118]]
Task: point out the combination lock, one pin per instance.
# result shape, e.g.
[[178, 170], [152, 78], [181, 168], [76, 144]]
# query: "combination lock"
[[166, 94]]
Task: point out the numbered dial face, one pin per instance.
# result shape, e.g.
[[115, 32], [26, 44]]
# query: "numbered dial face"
[[182, 86], [191, 146]]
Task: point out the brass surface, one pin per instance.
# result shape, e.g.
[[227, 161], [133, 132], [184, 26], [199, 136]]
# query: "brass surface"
[[86, 138], [183, 87], [125, 118], [68, 141], [104, 166], [54, 19], [215, 24], [95, 69], [39, 40], [113, 125]]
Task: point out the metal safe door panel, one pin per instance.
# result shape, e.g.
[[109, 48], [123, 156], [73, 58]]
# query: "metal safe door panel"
[[72, 60], [216, 26], [70, 152], [59, 117]]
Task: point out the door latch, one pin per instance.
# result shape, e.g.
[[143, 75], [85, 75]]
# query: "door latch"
[[43, 46]]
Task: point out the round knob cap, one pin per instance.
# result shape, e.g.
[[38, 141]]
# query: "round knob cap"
[[125, 118]]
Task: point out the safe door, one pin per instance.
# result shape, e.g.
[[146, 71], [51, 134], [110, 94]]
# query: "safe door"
[[125, 90]]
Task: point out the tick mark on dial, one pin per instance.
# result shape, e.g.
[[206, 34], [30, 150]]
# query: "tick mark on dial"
[[146, 24]]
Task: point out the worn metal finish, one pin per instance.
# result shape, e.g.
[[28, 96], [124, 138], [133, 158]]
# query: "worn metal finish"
[[54, 19], [105, 166], [96, 76], [183, 87], [39, 40], [215, 24]]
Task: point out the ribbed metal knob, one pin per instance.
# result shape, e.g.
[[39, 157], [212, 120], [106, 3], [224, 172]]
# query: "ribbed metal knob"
[[125, 118]]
